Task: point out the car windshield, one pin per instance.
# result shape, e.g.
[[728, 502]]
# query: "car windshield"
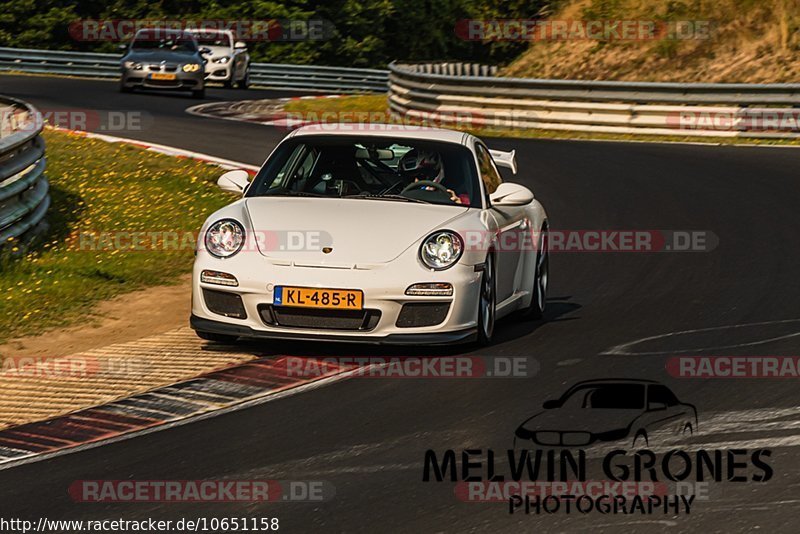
[[607, 396], [371, 167], [167, 42], [213, 39]]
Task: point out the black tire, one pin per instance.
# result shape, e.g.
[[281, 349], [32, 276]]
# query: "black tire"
[[228, 84], [217, 338], [199, 93], [244, 83], [487, 304], [541, 279]]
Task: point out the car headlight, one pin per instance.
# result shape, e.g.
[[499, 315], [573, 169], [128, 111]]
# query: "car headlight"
[[133, 65], [191, 67], [224, 238], [223, 59], [441, 250]]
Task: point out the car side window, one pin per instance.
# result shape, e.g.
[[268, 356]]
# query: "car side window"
[[662, 395], [282, 178], [489, 175], [307, 165]]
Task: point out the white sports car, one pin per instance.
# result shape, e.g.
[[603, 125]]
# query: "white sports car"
[[227, 60], [381, 236]]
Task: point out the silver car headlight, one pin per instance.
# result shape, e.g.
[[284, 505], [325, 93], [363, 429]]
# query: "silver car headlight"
[[224, 238], [223, 59], [135, 65], [441, 250]]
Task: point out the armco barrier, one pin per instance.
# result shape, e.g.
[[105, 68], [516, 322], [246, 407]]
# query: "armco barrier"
[[269, 75], [472, 95], [24, 195]]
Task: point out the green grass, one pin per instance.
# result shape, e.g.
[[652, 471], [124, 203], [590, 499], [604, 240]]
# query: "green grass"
[[339, 104], [102, 187], [350, 106]]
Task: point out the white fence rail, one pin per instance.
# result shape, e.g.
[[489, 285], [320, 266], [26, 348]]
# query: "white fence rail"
[[24, 189], [471, 95], [268, 75]]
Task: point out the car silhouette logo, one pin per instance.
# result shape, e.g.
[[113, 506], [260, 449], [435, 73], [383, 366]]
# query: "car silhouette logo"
[[605, 411]]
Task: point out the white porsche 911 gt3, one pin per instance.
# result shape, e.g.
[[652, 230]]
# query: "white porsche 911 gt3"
[[380, 236]]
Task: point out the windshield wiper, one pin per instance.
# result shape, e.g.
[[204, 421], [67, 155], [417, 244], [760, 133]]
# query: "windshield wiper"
[[387, 197]]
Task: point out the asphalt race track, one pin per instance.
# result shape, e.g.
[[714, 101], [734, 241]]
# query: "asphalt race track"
[[367, 437]]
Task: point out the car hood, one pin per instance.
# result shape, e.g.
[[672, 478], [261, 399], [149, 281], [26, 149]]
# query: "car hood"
[[218, 51], [580, 420], [359, 231], [158, 56]]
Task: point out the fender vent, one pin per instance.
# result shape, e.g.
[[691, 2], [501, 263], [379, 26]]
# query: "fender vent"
[[416, 314], [224, 303]]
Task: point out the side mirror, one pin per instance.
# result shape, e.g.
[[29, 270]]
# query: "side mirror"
[[549, 405], [508, 194], [203, 50], [240, 45], [656, 406], [235, 181]]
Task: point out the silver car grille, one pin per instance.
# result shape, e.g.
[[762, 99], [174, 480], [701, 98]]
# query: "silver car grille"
[[168, 67]]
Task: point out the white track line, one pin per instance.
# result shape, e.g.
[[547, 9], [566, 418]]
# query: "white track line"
[[623, 349], [164, 149]]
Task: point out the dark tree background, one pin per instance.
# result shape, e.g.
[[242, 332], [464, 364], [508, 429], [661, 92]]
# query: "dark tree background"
[[366, 33]]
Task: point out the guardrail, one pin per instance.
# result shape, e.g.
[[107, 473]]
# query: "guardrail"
[[268, 75], [472, 95], [24, 189]]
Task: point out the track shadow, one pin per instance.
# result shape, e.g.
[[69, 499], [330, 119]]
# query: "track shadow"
[[512, 328], [65, 210]]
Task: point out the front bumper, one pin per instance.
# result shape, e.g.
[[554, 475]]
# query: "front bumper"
[[216, 72], [444, 338], [184, 81], [384, 298]]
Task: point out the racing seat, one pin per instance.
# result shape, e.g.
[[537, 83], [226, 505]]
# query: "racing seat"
[[331, 171]]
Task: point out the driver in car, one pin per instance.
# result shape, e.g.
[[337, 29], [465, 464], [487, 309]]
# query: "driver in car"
[[425, 166]]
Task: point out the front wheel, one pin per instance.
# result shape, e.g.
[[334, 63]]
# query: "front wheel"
[[487, 304], [244, 83], [540, 279]]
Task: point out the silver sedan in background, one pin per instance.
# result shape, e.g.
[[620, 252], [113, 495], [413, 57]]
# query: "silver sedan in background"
[[164, 59]]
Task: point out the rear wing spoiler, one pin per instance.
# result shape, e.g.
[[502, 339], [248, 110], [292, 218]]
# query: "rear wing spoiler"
[[505, 159]]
